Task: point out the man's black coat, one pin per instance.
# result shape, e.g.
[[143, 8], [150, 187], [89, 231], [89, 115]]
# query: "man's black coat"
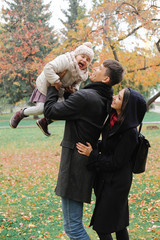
[[84, 112]]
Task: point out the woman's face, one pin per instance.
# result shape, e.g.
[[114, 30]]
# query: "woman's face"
[[117, 101]]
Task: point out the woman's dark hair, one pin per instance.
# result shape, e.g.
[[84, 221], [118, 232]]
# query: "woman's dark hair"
[[124, 104]]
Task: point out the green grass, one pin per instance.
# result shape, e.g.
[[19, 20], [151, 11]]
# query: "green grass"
[[152, 117], [29, 121], [29, 163], [5, 118]]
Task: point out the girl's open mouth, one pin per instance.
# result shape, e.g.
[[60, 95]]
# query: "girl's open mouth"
[[81, 65]]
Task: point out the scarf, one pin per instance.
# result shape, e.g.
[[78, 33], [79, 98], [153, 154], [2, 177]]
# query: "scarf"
[[113, 119], [78, 74], [103, 89]]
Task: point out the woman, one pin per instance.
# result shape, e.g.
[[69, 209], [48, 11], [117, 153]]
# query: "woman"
[[113, 163]]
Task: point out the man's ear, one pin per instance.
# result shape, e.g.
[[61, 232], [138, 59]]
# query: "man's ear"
[[106, 79]]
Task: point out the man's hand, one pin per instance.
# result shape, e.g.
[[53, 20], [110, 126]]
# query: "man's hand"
[[70, 89], [58, 85], [61, 74]]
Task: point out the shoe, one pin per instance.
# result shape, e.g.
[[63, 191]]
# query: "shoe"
[[17, 117], [43, 125]]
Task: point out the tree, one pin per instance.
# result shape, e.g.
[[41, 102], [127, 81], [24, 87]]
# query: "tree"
[[158, 45], [127, 31], [26, 39], [117, 21], [152, 99], [75, 12], [75, 29]]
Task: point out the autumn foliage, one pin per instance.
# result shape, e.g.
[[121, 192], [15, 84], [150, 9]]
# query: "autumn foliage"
[[26, 39], [126, 31]]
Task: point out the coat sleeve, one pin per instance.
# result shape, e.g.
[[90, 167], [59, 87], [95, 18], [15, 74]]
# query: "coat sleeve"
[[112, 162], [70, 109], [59, 64]]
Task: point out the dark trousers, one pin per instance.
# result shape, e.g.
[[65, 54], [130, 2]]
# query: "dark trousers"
[[121, 235]]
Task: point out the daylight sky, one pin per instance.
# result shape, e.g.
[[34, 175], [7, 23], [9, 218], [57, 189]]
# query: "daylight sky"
[[56, 6]]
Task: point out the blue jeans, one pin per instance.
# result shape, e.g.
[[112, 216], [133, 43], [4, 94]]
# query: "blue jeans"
[[72, 219]]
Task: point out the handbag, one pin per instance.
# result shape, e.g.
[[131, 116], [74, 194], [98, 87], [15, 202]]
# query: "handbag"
[[141, 153]]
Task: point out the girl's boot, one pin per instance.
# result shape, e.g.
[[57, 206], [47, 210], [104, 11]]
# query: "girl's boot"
[[17, 117], [43, 125]]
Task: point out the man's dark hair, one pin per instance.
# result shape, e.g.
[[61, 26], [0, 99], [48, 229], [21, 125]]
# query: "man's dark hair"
[[114, 71]]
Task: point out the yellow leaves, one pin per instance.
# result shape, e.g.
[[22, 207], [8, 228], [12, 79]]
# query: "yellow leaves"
[[26, 218], [60, 235], [16, 83], [30, 225], [1, 228]]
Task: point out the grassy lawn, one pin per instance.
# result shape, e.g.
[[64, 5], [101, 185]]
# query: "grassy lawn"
[[29, 163], [29, 121]]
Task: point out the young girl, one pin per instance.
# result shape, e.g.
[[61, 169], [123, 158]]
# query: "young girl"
[[113, 162], [65, 71]]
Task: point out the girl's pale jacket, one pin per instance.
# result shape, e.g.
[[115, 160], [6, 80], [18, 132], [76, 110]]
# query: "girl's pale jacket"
[[50, 75]]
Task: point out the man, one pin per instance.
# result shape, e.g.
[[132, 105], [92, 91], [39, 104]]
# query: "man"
[[85, 112]]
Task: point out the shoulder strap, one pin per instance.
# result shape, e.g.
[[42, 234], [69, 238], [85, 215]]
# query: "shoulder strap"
[[140, 127], [106, 119]]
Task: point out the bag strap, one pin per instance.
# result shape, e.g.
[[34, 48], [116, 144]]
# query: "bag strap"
[[140, 127], [106, 120]]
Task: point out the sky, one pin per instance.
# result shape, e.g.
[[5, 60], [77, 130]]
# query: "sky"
[[56, 6]]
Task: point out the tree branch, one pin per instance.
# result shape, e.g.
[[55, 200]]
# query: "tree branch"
[[158, 45], [144, 68], [125, 3], [30, 81], [152, 99]]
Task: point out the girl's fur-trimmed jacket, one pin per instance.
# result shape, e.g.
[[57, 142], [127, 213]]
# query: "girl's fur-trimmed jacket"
[[60, 64]]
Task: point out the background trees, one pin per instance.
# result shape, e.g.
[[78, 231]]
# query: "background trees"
[[68, 36], [26, 39], [76, 11], [126, 31]]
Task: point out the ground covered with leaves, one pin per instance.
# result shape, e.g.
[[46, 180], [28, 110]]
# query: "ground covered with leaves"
[[30, 209]]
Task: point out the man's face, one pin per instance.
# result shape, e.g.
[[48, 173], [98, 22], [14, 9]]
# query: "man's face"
[[99, 74]]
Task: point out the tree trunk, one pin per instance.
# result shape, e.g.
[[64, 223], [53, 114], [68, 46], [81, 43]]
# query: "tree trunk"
[[152, 99], [158, 45]]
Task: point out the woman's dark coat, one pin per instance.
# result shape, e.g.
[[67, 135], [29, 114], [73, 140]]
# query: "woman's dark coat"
[[84, 112], [113, 163]]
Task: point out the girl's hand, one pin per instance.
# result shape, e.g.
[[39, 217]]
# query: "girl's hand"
[[83, 149]]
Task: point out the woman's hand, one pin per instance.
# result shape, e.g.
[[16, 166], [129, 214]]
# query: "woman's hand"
[[83, 149]]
